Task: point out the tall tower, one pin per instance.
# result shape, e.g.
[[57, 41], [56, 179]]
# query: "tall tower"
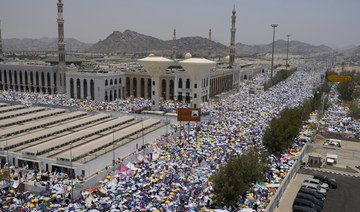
[[174, 45], [209, 44], [0, 40], [232, 40], [60, 76], [61, 42]]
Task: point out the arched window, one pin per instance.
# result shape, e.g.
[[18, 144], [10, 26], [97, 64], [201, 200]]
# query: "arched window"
[[134, 87], [49, 82], [111, 81], [171, 94], [142, 88], [72, 88], [188, 83], [92, 89], [163, 89], [78, 89], [106, 82], [149, 88], [127, 86], [85, 88], [180, 83], [115, 81]]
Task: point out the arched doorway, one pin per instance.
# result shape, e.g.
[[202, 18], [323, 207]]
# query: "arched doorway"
[[85, 88], [171, 94], [149, 88], [78, 89], [127, 86], [134, 87], [72, 88], [92, 91], [142, 88], [163, 89]]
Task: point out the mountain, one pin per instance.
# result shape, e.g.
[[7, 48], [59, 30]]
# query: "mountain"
[[352, 51], [128, 41], [42, 44], [295, 47], [131, 42], [198, 46]]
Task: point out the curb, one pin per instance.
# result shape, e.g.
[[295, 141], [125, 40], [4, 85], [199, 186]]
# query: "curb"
[[331, 172]]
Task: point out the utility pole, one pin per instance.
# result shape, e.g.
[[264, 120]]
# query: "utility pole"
[[273, 44], [71, 173], [142, 132], [8, 159], [287, 52], [113, 163]]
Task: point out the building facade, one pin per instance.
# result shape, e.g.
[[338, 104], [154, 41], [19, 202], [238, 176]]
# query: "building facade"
[[31, 78], [95, 86]]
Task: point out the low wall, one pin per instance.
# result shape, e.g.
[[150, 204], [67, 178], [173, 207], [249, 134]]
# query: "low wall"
[[279, 192]]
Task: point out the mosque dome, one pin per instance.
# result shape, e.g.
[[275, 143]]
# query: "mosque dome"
[[188, 55]]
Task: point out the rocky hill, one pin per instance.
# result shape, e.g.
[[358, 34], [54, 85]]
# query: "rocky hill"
[[42, 44], [133, 42], [295, 47]]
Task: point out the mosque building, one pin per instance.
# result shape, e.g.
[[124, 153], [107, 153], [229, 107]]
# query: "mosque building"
[[112, 82]]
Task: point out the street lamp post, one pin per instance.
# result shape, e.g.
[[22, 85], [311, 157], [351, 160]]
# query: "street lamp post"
[[71, 173], [142, 132], [7, 157], [273, 44], [113, 163], [287, 52]]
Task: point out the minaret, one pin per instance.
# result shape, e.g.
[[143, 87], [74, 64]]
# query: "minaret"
[[209, 44], [232, 40], [174, 45], [1, 52], [60, 78], [61, 42]]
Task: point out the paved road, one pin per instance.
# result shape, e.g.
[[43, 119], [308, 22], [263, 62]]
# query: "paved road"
[[345, 198]]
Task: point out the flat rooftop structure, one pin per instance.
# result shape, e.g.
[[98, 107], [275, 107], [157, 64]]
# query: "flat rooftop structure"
[[40, 123], [94, 145], [61, 141], [20, 112], [50, 131], [10, 108], [30, 117]]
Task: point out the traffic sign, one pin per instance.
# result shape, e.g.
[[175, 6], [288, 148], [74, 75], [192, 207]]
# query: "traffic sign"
[[339, 78], [188, 114]]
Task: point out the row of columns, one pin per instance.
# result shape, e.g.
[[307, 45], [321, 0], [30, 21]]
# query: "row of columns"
[[82, 89], [143, 87], [220, 83], [30, 81]]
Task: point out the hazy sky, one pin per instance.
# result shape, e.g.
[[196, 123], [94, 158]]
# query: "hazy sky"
[[329, 22]]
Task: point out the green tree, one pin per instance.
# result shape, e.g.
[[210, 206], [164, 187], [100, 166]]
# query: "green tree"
[[346, 90], [4, 174], [283, 130], [233, 179], [354, 110]]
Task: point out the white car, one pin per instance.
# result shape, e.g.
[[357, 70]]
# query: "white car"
[[314, 187], [317, 182]]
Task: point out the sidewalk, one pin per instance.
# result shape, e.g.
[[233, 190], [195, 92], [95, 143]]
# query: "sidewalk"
[[287, 199]]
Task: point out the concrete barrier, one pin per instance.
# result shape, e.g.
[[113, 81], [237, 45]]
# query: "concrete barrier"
[[279, 192]]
